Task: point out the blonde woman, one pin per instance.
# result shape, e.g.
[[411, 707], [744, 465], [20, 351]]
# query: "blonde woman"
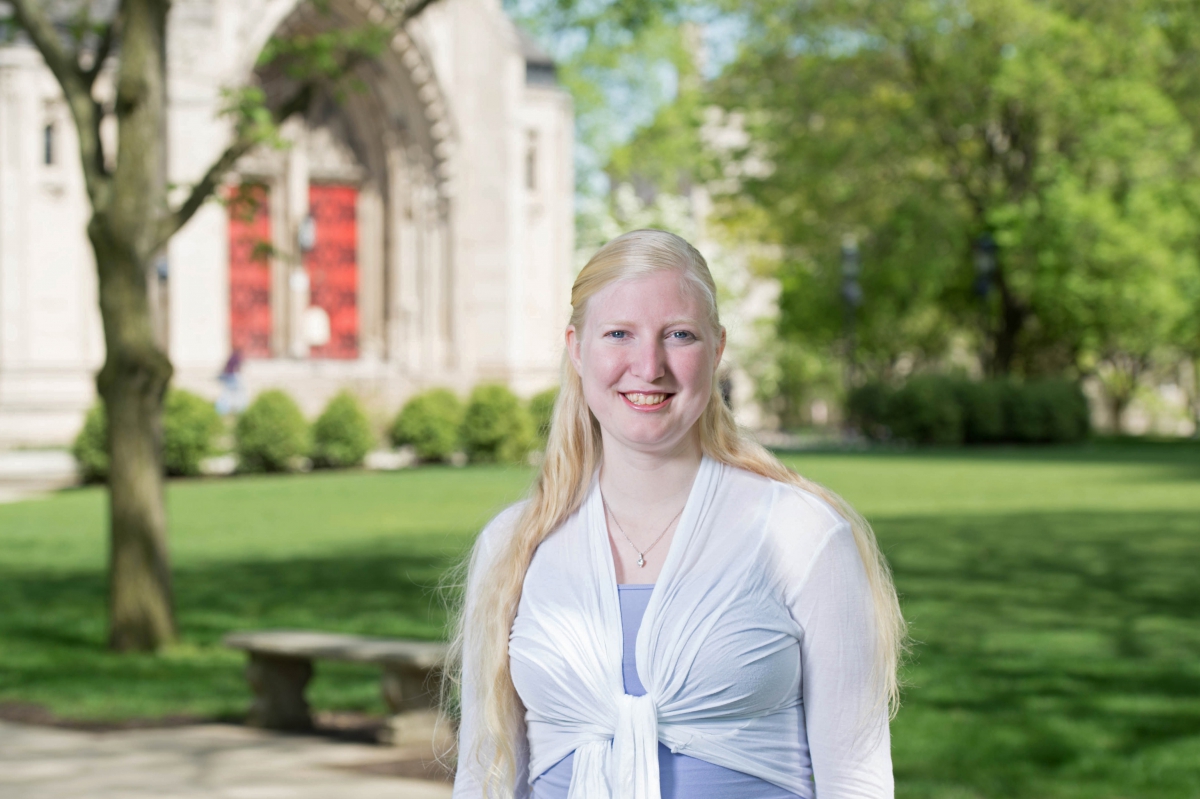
[[672, 613]]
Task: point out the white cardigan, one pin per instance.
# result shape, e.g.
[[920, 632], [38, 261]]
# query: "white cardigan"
[[755, 649]]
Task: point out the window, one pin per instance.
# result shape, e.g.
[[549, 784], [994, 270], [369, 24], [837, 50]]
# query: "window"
[[49, 156]]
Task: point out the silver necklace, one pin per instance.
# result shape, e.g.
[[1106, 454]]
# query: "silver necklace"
[[641, 561]]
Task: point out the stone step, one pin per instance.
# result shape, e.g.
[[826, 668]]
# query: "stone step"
[[28, 473]]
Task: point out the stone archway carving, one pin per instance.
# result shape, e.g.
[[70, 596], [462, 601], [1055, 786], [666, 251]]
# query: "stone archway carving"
[[437, 124]]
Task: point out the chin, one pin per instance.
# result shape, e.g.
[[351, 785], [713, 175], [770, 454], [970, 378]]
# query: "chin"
[[650, 438]]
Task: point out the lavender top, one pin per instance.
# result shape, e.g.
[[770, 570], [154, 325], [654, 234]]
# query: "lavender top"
[[681, 777]]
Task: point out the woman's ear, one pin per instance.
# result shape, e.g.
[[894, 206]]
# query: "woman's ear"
[[720, 349], [573, 349]]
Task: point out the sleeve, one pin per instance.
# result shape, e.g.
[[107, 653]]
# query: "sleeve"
[[468, 782], [846, 723]]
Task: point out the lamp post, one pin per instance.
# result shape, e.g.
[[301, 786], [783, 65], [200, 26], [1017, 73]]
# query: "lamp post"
[[852, 297], [985, 274]]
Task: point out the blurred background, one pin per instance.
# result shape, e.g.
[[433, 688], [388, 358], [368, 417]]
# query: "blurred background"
[[958, 251]]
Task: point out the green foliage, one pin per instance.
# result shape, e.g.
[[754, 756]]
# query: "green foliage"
[[342, 434], [430, 422], [932, 409], [1064, 130], [541, 410], [788, 377], [91, 445], [272, 434], [496, 426], [191, 425], [325, 55]]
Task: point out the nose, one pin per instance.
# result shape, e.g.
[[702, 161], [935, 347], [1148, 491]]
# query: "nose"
[[649, 360]]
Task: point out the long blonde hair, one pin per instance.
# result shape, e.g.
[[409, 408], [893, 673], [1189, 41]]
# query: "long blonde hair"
[[572, 454]]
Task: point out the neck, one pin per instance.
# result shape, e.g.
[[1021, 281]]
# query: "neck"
[[638, 480]]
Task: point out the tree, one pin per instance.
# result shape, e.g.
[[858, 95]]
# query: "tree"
[[920, 127], [131, 221]]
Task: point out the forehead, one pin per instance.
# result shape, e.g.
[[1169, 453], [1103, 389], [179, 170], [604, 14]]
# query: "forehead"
[[661, 294]]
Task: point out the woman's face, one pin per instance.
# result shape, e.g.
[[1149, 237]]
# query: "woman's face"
[[646, 356]]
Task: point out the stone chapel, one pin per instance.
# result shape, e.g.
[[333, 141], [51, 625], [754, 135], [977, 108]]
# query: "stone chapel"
[[417, 232]]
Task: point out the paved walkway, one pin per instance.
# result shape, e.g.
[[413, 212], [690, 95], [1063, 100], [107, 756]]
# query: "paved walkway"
[[215, 761]]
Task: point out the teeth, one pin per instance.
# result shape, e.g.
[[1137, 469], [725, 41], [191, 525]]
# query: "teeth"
[[646, 399]]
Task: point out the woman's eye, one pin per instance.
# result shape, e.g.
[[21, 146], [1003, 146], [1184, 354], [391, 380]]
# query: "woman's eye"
[[681, 335], [616, 333]]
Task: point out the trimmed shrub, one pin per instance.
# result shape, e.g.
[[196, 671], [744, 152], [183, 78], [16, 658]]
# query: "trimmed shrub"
[[496, 426], [541, 411], [945, 410], [271, 434], [925, 410], [982, 405], [1067, 415], [342, 434], [1047, 411], [430, 422], [866, 409], [91, 445], [190, 427]]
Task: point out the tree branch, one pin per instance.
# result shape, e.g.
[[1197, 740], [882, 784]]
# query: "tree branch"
[[30, 16], [101, 55], [243, 142]]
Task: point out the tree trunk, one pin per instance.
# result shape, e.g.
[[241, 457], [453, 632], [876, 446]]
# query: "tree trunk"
[[134, 378], [1013, 314], [1117, 403], [131, 219], [133, 383]]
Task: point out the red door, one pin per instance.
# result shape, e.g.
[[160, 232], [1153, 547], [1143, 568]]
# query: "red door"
[[332, 266], [250, 270]]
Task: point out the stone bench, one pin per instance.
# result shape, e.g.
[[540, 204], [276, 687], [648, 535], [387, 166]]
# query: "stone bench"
[[281, 664]]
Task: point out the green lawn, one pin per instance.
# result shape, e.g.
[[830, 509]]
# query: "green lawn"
[[1053, 596]]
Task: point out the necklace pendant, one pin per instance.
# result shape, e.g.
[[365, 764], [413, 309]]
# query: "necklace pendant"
[[641, 559]]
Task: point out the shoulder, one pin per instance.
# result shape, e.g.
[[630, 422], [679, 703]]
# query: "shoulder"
[[490, 543], [797, 526], [499, 530], [794, 509]]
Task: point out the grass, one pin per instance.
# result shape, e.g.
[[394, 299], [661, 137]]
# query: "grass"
[[1052, 595]]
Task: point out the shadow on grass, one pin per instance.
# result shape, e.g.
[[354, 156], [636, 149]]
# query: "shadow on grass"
[[52, 634], [1057, 654]]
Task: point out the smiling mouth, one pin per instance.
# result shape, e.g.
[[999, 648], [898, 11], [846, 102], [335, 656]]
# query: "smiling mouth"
[[646, 402]]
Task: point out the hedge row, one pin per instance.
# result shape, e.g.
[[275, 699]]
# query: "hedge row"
[[272, 435], [492, 426], [932, 409]]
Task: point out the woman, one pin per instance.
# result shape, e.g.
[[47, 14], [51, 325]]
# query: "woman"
[[672, 613]]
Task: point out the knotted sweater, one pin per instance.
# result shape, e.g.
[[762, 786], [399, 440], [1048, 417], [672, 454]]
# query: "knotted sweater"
[[755, 650]]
